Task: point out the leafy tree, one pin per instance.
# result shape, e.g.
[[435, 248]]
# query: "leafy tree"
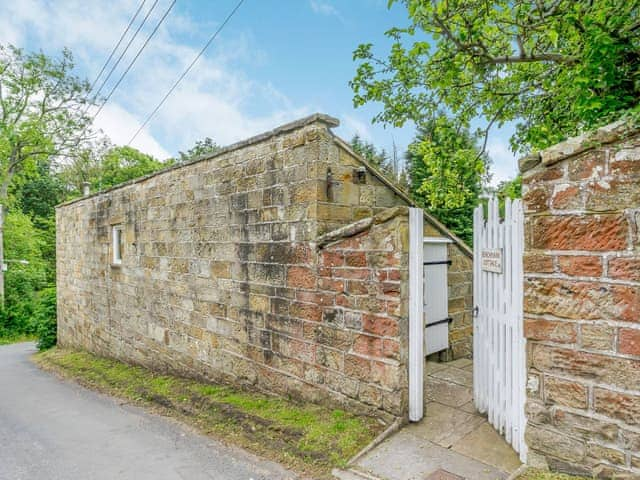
[[23, 243], [120, 164], [44, 322], [43, 115], [201, 148], [447, 174], [104, 166], [555, 66]]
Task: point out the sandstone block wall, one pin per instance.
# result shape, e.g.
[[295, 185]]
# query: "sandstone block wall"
[[232, 270], [582, 303]]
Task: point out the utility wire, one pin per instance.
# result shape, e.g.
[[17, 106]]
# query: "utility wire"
[[135, 58], [115, 49], [184, 74], [126, 48]]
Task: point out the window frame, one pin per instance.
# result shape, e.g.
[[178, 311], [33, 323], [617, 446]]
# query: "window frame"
[[117, 245]]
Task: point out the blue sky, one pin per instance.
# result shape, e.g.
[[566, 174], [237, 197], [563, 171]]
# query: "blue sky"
[[275, 61]]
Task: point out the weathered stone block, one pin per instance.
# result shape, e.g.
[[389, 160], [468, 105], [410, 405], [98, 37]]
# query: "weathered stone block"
[[565, 392], [572, 232], [548, 330]]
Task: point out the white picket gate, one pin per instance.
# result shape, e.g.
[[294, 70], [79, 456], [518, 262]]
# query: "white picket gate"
[[499, 373]]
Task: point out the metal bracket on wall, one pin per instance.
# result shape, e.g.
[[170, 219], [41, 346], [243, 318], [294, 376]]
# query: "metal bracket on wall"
[[444, 320]]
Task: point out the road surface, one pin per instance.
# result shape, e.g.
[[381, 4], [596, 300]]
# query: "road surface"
[[55, 430]]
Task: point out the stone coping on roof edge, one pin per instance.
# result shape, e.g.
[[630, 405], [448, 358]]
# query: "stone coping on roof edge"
[[573, 146], [328, 120]]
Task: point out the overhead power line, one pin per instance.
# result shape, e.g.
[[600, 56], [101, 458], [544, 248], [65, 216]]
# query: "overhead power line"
[[126, 48], [115, 49], [184, 74], [135, 58]]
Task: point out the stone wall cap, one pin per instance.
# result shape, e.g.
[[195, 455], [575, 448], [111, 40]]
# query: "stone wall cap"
[[575, 145], [327, 120], [360, 226]]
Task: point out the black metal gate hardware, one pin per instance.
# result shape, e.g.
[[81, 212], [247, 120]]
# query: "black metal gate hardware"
[[444, 320], [439, 262]]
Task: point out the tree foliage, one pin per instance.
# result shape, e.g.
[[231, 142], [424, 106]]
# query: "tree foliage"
[[447, 174], [202, 147], [104, 165], [555, 66], [43, 111]]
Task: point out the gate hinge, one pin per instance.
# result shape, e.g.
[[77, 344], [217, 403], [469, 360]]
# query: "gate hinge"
[[476, 311]]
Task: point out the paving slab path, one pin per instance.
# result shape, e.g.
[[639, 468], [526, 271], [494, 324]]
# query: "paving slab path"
[[452, 442], [57, 430]]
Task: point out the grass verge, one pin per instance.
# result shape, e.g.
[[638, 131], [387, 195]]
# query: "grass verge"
[[16, 338], [305, 437], [533, 474]]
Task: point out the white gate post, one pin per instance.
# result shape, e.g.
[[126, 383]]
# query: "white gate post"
[[416, 320]]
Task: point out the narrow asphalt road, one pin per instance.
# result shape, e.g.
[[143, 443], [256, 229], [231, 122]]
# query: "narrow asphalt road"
[[56, 430]]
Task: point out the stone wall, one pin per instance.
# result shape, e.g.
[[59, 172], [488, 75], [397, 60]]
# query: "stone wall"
[[582, 303], [269, 264]]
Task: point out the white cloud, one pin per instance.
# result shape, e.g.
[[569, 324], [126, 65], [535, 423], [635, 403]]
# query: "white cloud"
[[215, 99], [325, 8], [121, 125], [505, 162]]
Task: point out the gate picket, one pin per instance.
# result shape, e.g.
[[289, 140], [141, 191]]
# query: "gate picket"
[[499, 345]]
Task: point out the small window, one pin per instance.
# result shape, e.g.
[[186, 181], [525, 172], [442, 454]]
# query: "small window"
[[117, 245]]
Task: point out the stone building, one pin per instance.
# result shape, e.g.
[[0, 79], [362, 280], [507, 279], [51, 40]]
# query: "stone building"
[[582, 303], [279, 262]]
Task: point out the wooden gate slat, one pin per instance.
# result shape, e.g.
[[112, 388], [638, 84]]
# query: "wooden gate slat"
[[499, 345]]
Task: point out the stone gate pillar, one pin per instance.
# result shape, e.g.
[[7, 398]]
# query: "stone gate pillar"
[[582, 303]]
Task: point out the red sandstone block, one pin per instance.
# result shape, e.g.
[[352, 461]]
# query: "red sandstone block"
[[323, 299], [393, 275], [546, 175], [301, 277], [356, 287], [581, 266], [357, 367], [538, 263], [625, 168], [391, 349], [385, 374], [590, 165], [325, 272], [629, 341], [567, 198], [547, 330], [332, 259], [331, 285], [380, 325], [582, 300], [572, 232], [355, 259], [598, 368], [565, 392], [391, 289], [301, 253], [622, 406], [347, 301], [306, 311], [368, 345], [624, 268], [536, 199], [352, 243], [352, 273], [382, 259]]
